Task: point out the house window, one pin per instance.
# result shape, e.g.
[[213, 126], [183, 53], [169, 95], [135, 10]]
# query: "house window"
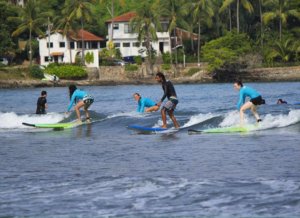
[[79, 45], [51, 44], [94, 44], [47, 58], [116, 26], [136, 44], [117, 45], [127, 28], [126, 44], [61, 44], [164, 27], [72, 45]]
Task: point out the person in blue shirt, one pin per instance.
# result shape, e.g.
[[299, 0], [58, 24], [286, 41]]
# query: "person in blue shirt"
[[81, 99], [242, 105], [145, 104]]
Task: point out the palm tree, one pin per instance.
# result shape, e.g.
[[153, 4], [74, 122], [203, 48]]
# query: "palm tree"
[[31, 19], [202, 10], [246, 5], [111, 11], [282, 9], [79, 10], [145, 24], [66, 25], [174, 10]]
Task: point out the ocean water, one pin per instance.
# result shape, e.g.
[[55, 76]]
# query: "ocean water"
[[107, 170]]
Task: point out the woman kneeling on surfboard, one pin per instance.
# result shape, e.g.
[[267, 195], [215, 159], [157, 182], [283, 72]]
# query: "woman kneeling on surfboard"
[[255, 99], [81, 99]]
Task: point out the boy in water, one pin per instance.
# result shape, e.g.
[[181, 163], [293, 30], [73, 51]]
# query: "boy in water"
[[170, 105], [41, 104], [255, 99], [145, 104]]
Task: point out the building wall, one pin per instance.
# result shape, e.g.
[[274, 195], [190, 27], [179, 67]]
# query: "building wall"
[[56, 40], [126, 42]]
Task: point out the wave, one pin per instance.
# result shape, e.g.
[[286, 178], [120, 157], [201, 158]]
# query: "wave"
[[11, 120]]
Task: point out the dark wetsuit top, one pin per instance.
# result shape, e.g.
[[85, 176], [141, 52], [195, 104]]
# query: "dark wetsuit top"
[[169, 90], [40, 105]]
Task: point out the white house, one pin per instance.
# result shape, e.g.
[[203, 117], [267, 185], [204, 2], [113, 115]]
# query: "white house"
[[63, 49], [126, 40]]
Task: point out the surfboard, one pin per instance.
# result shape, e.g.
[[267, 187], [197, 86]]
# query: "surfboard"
[[144, 129], [230, 129], [49, 77], [56, 126]]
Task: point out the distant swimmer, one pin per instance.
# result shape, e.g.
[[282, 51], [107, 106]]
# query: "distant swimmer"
[[81, 99], [255, 99], [280, 101], [145, 104], [170, 105], [41, 104]]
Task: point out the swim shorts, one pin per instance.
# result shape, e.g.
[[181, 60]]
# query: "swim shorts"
[[258, 100], [87, 100], [171, 104]]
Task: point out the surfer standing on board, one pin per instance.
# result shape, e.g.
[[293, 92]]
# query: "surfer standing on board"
[[170, 105], [255, 99], [145, 104], [80, 99]]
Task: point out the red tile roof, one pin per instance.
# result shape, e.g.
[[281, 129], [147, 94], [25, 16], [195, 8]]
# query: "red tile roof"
[[123, 18], [87, 36]]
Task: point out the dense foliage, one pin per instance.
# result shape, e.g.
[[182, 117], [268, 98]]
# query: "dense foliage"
[[66, 71], [272, 25]]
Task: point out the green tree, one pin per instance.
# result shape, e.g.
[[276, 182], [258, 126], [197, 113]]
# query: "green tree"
[[7, 45], [280, 10], [174, 11], [202, 11], [79, 10], [31, 19], [246, 5], [145, 24]]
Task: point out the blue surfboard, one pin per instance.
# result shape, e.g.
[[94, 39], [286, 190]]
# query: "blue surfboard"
[[148, 129]]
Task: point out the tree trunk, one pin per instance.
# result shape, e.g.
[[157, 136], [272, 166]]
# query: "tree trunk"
[[237, 16], [199, 36], [30, 46], [82, 43], [280, 23], [261, 24], [230, 22]]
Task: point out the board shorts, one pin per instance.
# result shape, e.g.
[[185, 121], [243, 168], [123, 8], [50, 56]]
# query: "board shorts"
[[171, 104], [258, 100], [87, 100]]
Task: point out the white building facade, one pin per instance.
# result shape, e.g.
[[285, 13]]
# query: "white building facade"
[[126, 40], [64, 49]]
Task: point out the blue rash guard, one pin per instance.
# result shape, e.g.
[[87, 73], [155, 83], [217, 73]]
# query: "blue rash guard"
[[77, 96], [246, 92], [144, 102]]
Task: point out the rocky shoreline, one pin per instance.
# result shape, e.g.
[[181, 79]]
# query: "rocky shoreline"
[[283, 74]]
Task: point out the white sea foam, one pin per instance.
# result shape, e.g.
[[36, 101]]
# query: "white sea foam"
[[127, 114], [198, 119], [268, 121], [12, 120]]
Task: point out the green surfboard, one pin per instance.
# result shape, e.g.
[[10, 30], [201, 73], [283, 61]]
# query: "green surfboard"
[[56, 126], [230, 129]]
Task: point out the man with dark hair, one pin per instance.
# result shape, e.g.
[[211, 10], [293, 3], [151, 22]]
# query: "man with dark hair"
[[255, 99], [41, 104], [170, 105]]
